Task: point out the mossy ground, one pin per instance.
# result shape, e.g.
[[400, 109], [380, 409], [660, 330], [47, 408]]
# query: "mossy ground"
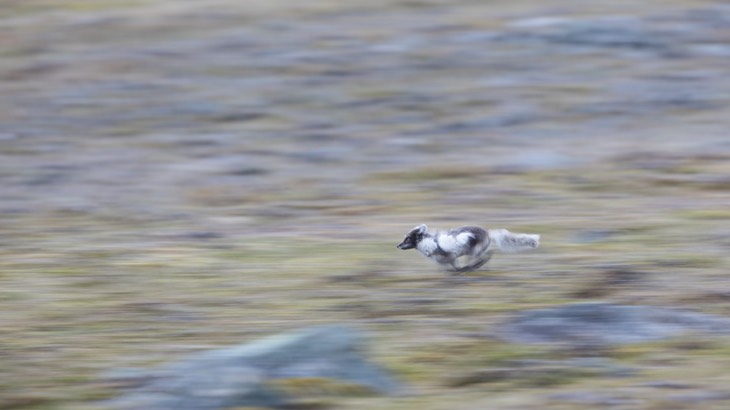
[[175, 178]]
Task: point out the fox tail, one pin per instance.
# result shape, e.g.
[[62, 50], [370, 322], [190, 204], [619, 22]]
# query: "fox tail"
[[509, 242]]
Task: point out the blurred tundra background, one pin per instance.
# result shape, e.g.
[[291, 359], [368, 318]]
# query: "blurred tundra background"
[[177, 176]]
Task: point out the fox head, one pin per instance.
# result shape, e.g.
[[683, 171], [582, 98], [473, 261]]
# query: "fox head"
[[413, 237]]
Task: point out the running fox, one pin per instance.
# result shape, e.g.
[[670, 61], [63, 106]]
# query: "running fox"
[[472, 243]]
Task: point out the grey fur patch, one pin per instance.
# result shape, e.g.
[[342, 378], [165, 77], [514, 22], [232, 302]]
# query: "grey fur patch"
[[479, 235]]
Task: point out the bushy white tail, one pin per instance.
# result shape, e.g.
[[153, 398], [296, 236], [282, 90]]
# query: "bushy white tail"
[[509, 242]]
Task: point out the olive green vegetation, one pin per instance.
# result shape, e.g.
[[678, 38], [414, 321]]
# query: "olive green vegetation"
[[164, 192], [76, 306]]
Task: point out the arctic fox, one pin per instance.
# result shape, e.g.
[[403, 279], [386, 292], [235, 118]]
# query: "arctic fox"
[[472, 243]]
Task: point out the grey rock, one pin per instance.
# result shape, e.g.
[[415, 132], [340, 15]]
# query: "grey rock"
[[699, 397], [667, 384], [241, 375], [615, 32], [593, 235], [535, 160], [594, 399], [618, 33], [599, 323]]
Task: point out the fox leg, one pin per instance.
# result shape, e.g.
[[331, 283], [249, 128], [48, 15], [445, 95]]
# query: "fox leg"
[[472, 266]]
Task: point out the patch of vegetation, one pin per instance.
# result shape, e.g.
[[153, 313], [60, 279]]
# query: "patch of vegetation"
[[702, 214], [432, 362], [428, 174], [301, 387]]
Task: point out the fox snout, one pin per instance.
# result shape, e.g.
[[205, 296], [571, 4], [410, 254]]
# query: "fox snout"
[[405, 245]]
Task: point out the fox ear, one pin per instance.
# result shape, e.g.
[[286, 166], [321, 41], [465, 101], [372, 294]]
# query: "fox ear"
[[421, 228]]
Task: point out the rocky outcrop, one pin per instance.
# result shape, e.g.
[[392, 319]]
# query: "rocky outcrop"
[[266, 373], [607, 324]]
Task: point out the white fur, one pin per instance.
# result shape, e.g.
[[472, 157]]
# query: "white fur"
[[447, 248], [463, 238], [509, 242], [427, 246], [448, 243]]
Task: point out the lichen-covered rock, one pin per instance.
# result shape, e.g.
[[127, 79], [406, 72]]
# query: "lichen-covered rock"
[[601, 323], [261, 373]]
